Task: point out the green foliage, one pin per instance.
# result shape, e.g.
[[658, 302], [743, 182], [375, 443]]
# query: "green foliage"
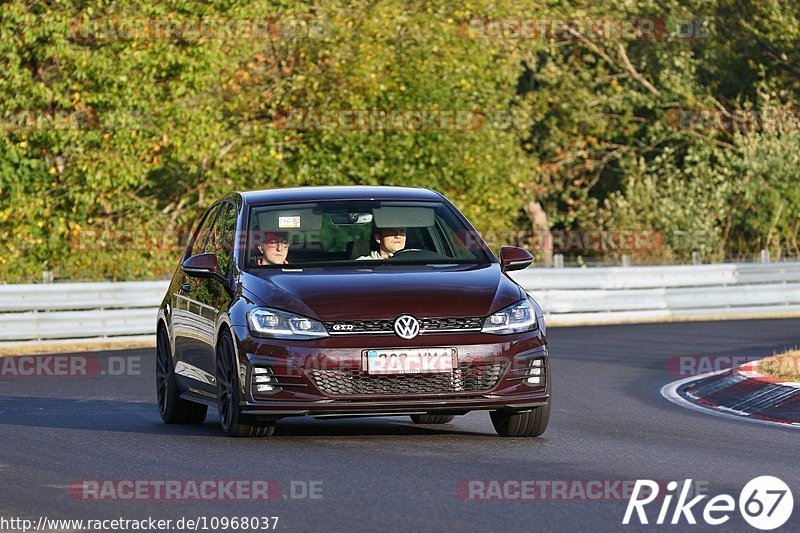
[[110, 148], [611, 154], [172, 124]]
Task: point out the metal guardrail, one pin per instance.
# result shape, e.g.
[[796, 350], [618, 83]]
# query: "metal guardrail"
[[57, 311], [47, 312], [639, 294]]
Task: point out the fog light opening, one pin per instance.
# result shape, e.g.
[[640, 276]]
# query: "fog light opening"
[[263, 380], [536, 372]]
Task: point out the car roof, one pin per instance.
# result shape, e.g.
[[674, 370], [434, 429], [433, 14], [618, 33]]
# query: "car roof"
[[351, 192]]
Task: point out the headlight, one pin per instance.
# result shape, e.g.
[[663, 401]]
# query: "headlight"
[[265, 322], [515, 318]]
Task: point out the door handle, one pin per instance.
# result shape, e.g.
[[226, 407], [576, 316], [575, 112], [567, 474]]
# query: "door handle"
[[185, 287]]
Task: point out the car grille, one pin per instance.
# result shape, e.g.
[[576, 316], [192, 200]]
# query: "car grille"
[[450, 323], [427, 325], [353, 382]]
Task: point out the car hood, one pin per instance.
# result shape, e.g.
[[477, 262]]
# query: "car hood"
[[384, 292]]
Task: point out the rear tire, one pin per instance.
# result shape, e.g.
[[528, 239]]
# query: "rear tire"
[[530, 424], [432, 419], [233, 422], [173, 408]]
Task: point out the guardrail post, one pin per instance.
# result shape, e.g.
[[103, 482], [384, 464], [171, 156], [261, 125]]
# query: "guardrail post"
[[626, 260], [47, 276], [765, 256], [558, 260]]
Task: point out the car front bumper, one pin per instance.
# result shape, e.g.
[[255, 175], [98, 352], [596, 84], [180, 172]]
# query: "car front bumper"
[[489, 375]]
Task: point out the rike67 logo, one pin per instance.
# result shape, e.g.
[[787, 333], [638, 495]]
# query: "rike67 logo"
[[765, 503]]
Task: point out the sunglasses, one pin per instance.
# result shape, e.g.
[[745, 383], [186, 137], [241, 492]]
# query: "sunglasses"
[[273, 243]]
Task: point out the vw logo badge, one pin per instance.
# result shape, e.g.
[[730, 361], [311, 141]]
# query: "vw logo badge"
[[406, 326]]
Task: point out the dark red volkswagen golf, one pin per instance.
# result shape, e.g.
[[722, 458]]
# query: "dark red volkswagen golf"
[[348, 301]]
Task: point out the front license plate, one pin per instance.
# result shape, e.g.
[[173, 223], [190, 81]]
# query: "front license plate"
[[410, 360]]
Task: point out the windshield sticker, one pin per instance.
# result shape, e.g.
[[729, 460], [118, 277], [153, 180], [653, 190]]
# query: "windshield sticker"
[[288, 222]]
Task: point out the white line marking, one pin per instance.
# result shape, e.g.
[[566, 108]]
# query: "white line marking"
[[670, 392]]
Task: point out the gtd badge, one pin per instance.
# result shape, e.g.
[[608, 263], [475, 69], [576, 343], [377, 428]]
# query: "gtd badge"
[[406, 326]]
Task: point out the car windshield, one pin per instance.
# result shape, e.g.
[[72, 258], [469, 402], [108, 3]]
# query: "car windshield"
[[367, 232]]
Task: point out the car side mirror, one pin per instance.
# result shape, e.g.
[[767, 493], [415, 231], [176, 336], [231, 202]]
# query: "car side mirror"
[[202, 266], [513, 258]]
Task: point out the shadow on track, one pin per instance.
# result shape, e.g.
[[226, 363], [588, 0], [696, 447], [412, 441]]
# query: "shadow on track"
[[366, 427], [142, 417]]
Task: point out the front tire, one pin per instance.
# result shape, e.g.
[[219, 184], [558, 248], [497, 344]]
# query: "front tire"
[[229, 396], [173, 408], [432, 419], [530, 424]]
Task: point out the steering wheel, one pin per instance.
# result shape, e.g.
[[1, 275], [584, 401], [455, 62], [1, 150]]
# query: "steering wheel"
[[409, 250]]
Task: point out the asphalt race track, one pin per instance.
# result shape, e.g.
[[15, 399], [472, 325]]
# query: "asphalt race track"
[[384, 474]]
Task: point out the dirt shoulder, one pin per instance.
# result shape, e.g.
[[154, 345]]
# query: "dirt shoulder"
[[785, 366]]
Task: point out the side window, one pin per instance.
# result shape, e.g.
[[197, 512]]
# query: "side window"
[[456, 248], [420, 238], [220, 241], [201, 237]]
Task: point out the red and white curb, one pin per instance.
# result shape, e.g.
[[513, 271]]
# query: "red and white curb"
[[742, 393]]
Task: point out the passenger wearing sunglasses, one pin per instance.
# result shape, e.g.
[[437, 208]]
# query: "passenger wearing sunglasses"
[[274, 249]]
